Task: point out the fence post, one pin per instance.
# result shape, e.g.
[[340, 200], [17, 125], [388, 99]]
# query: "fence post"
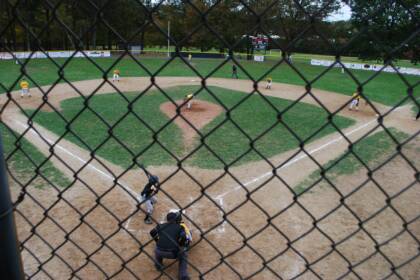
[[10, 259]]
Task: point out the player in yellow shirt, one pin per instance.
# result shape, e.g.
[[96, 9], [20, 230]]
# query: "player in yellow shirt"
[[24, 88], [116, 76], [188, 99], [355, 101], [269, 82]]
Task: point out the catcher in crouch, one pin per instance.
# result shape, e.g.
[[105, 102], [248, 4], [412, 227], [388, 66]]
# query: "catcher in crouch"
[[188, 100], [148, 196]]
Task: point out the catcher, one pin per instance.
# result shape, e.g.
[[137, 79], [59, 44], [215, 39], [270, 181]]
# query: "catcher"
[[148, 195], [188, 233], [188, 100]]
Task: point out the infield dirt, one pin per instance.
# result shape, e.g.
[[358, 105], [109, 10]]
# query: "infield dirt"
[[95, 196]]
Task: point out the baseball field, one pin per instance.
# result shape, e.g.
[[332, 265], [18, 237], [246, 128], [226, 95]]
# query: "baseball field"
[[269, 179]]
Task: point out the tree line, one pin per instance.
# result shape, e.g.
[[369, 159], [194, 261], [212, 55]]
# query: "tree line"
[[377, 29]]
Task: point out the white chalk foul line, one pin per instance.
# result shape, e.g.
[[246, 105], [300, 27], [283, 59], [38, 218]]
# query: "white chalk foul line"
[[127, 225], [222, 228], [299, 158], [90, 165]]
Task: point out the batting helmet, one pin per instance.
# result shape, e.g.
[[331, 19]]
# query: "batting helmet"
[[153, 179], [178, 214]]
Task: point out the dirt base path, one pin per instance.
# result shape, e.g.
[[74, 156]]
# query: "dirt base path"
[[95, 183]]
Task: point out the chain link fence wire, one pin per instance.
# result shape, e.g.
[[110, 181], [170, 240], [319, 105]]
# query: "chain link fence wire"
[[252, 222]]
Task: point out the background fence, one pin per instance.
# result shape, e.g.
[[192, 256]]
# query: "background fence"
[[254, 215]]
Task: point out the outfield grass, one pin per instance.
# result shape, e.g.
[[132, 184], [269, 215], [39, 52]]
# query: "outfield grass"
[[24, 161], [372, 150], [276, 53], [386, 88], [254, 116]]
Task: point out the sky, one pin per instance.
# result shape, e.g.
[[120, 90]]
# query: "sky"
[[343, 14]]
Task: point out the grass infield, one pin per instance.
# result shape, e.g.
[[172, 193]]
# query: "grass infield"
[[373, 150], [386, 88], [24, 159], [132, 134]]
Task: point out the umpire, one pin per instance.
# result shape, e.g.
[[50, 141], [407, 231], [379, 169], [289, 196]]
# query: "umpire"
[[171, 241]]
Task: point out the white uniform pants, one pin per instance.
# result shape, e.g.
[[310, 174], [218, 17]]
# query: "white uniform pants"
[[149, 202]]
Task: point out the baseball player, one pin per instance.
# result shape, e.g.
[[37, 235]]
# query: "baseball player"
[[24, 88], [188, 233], [355, 100], [188, 99], [116, 76], [269, 82], [148, 195], [170, 238], [234, 71]]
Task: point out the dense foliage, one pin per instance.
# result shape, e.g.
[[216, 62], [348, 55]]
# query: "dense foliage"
[[119, 24]]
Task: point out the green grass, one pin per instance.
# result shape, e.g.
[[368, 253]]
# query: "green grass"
[[372, 150], [386, 88], [275, 53], [308, 57], [24, 161], [254, 116]]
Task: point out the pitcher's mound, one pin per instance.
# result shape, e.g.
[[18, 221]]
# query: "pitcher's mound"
[[201, 113]]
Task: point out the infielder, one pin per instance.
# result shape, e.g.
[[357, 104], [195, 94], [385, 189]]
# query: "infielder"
[[24, 88], [188, 99], [355, 101], [269, 82], [116, 76], [148, 195]]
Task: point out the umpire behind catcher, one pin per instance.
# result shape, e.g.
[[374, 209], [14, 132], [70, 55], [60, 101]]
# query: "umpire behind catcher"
[[171, 242]]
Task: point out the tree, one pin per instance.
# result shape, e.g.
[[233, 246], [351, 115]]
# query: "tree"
[[385, 26]]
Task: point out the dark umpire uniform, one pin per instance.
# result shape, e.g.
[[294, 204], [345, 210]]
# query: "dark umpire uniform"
[[171, 241], [234, 71]]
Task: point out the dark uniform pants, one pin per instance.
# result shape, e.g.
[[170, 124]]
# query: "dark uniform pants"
[[182, 257]]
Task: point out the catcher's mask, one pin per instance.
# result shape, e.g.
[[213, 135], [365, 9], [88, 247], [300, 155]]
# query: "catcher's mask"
[[178, 214]]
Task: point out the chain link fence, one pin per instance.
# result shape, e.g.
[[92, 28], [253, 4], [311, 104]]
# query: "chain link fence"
[[317, 192]]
